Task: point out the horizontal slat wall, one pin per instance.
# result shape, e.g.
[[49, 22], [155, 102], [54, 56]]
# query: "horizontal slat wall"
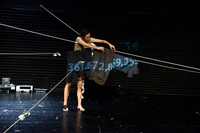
[[164, 37], [24, 69], [168, 38]]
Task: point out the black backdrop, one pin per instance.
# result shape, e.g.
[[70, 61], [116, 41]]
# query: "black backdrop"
[[162, 30]]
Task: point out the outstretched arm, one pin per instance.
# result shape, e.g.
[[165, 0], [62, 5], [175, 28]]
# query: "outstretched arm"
[[103, 41]]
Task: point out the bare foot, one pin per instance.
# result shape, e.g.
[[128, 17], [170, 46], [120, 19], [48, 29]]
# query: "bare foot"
[[65, 108], [80, 108]]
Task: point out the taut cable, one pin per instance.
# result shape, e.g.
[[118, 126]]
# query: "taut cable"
[[124, 52], [169, 67], [59, 19], [22, 116], [157, 60], [13, 27], [54, 54]]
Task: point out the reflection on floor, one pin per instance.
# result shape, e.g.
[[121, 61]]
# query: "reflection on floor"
[[104, 113]]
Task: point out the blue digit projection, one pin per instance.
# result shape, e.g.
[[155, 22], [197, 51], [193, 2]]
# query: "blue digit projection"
[[136, 62], [71, 66], [135, 46], [89, 65], [77, 68], [126, 59], [81, 67], [102, 66], [132, 62], [110, 66], [118, 62], [95, 64], [128, 44]]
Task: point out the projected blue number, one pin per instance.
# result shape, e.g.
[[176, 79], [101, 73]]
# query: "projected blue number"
[[118, 62], [132, 62], [110, 66], [89, 65], [95, 64], [77, 68], [126, 59], [102, 66], [81, 67], [71, 66], [136, 62]]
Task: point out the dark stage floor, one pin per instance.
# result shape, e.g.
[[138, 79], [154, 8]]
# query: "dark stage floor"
[[105, 112]]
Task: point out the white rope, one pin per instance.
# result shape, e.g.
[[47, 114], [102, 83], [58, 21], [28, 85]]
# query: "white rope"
[[54, 54], [94, 44], [22, 116], [168, 67], [120, 51], [59, 19], [37, 33], [62, 21], [11, 126], [158, 60]]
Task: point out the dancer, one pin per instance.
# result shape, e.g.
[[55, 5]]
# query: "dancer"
[[82, 42]]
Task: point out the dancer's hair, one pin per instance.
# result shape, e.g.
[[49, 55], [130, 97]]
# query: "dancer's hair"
[[83, 33]]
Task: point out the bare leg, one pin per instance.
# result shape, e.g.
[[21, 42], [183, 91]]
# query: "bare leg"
[[66, 95], [79, 93]]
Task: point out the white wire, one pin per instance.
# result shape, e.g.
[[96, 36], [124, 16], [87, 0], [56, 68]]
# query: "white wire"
[[37, 33], [26, 53], [120, 51], [115, 51], [168, 67], [158, 60], [62, 22], [11, 126], [45, 95], [59, 19], [80, 62]]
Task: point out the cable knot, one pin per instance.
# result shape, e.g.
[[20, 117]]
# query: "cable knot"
[[23, 116]]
